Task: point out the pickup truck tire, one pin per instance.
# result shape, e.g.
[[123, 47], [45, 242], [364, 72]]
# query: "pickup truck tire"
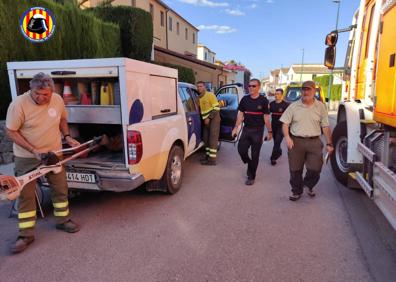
[[173, 175], [338, 158]]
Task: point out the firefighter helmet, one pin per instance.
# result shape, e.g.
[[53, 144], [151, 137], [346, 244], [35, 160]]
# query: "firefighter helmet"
[[37, 24]]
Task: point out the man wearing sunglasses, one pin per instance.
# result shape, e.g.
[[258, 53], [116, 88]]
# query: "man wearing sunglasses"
[[302, 122], [253, 111]]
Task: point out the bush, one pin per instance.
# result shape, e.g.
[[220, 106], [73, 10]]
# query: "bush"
[[136, 29], [185, 74], [336, 89], [77, 35]]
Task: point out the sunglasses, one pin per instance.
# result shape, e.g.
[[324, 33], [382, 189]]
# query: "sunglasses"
[[252, 86], [306, 88]]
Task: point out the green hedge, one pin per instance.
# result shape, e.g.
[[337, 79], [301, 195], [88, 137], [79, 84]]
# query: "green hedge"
[[77, 35], [185, 74], [136, 29], [336, 89]]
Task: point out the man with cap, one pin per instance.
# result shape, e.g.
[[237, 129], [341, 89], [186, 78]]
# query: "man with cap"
[[302, 122]]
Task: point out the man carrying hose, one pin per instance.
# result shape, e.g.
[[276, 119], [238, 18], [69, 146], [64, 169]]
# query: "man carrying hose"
[[36, 121]]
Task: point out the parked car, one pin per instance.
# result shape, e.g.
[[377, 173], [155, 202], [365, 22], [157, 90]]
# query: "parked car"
[[229, 96]]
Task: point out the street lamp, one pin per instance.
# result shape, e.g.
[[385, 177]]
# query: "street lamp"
[[302, 65], [338, 2]]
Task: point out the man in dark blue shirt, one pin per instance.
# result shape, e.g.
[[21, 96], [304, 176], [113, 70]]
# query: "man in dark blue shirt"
[[253, 111], [277, 108]]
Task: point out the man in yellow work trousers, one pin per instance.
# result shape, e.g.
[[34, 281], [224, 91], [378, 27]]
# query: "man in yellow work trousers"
[[210, 112], [35, 122]]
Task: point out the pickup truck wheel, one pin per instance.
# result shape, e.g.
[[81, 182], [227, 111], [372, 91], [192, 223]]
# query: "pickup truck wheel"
[[172, 178], [338, 159]]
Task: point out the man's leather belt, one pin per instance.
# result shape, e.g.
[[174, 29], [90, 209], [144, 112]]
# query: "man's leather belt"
[[306, 137]]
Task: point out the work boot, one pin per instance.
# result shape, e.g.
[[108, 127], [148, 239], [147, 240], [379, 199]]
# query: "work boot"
[[204, 159], [68, 226], [208, 162], [311, 192], [294, 197], [249, 181], [21, 244]]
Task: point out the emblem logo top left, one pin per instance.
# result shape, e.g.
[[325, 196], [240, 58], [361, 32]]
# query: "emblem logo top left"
[[37, 24]]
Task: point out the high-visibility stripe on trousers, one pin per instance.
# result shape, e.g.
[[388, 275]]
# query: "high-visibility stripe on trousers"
[[212, 153], [27, 219], [61, 209], [211, 135], [27, 199]]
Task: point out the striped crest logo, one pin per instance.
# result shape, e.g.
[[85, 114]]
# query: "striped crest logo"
[[37, 24]]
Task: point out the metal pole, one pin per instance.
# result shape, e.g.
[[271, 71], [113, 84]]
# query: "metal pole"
[[302, 65], [331, 71]]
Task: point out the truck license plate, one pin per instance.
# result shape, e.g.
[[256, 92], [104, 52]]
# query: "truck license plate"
[[80, 177]]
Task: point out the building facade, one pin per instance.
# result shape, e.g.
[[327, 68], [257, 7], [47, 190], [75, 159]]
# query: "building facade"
[[170, 30], [175, 40], [227, 76], [299, 73], [203, 71], [283, 76], [205, 54]]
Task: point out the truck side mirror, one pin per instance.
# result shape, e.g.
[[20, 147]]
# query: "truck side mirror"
[[330, 55], [331, 39]]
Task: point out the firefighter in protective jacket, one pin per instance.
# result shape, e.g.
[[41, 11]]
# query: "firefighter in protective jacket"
[[210, 112]]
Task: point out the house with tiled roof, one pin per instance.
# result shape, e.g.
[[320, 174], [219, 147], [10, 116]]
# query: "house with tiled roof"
[[298, 73], [283, 75]]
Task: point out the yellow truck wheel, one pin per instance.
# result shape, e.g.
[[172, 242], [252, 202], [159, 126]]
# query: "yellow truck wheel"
[[338, 159]]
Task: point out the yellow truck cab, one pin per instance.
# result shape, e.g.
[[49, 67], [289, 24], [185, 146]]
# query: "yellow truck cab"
[[365, 134]]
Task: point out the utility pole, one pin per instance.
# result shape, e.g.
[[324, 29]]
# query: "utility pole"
[[331, 71], [302, 65]]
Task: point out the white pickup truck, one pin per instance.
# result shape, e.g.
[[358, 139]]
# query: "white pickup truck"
[[155, 119]]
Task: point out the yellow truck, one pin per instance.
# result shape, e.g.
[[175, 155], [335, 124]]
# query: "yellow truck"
[[365, 134]]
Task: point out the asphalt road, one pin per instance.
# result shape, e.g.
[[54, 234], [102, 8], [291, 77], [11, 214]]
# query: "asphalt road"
[[214, 229]]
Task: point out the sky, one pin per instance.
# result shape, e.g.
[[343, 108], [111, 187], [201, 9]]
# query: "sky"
[[267, 34]]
